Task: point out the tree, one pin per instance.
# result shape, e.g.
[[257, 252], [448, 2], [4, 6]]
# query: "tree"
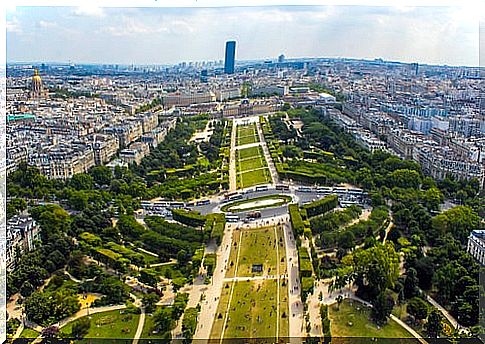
[[425, 272], [149, 301], [411, 284], [26, 289], [418, 308], [78, 200], [458, 221], [52, 220], [81, 181], [373, 269], [383, 305], [50, 331], [47, 307], [128, 226], [433, 198], [149, 277], [404, 178], [80, 327], [162, 318], [182, 258], [346, 239], [102, 175], [434, 325], [340, 299], [178, 283], [189, 323], [15, 206]]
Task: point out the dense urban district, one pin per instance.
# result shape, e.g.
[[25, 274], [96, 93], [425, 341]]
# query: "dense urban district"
[[291, 200]]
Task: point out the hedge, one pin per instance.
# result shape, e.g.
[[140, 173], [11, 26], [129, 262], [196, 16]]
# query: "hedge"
[[306, 287], [305, 264], [197, 258], [210, 263], [215, 223], [321, 206], [296, 220], [189, 322], [189, 218], [325, 323]]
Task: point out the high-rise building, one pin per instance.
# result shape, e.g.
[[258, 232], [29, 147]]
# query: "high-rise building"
[[230, 57], [281, 58]]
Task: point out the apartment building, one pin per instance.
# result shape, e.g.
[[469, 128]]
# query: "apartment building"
[[62, 161], [104, 147], [476, 245], [438, 162], [134, 153], [22, 234]]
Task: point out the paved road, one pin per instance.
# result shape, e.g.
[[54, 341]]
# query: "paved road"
[[294, 300], [88, 311], [139, 329], [249, 193], [213, 291], [446, 314]]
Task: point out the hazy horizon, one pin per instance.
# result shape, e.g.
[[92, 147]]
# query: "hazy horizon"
[[167, 36]]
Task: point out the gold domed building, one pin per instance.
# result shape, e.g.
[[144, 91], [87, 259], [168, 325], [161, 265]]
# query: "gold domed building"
[[37, 89]]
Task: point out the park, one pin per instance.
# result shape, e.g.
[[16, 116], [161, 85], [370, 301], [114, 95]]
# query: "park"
[[251, 167], [254, 298]]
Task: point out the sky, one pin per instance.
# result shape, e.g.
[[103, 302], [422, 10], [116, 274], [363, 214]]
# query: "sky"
[[435, 35]]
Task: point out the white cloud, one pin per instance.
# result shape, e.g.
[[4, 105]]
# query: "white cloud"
[[89, 11], [46, 24], [131, 27], [13, 25]]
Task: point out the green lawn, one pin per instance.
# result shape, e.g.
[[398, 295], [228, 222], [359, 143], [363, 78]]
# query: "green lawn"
[[258, 247], [246, 130], [253, 311], [251, 178], [111, 324], [251, 164], [361, 326], [244, 140], [148, 329], [249, 152], [29, 333]]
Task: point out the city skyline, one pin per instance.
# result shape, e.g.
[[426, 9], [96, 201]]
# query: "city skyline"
[[431, 35]]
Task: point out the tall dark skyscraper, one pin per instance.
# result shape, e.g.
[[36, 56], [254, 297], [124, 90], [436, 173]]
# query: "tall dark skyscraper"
[[230, 57]]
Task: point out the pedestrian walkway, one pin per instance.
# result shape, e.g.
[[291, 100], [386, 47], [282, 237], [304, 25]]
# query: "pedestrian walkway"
[[446, 314], [141, 324]]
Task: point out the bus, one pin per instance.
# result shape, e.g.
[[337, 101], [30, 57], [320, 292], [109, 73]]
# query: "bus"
[[355, 191], [262, 188], [230, 194], [235, 197], [176, 205], [145, 204], [340, 191], [324, 190], [204, 202], [282, 187], [232, 218], [305, 189]]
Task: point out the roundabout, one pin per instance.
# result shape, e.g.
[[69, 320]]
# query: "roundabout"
[[268, 201]]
